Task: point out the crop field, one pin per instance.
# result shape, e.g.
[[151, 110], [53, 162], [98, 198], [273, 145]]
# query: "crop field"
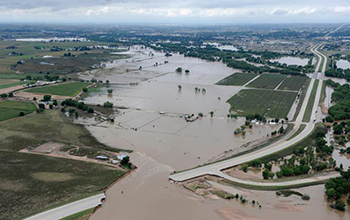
[[274, 104], [30, 182], [237, 79], [66, 89], [11, 109], [293, 83], [267, 81], [4, 84], [32, 54]]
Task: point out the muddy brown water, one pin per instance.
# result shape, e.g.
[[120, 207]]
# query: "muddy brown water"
[[165, 142]]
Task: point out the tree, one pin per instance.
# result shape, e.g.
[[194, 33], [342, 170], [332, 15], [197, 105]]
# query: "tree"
[[179, 70], [179, 87], [41, 106], [187, 71], [211, 114], [85, 90], [110, 91], [245, 168], [47, 98], [11, 94], [108, 104], [339, 205], [21, 114]]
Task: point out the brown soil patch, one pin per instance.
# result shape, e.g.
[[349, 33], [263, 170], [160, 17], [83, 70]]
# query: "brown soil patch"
[[11, 186], [10, 89], [232, 213], [40, 96], [52, 177]]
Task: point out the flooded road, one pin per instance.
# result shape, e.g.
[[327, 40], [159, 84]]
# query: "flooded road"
[[150, 124]]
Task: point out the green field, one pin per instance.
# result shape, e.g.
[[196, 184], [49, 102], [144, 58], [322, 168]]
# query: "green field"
[[267, 81], [237, 79], [31, 183], [66, 89], [310, 104], [293, 83], [34, 56], [11, 109], [274, 104]]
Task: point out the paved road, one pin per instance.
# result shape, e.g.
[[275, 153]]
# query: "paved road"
[[69, 209], [215, 168]]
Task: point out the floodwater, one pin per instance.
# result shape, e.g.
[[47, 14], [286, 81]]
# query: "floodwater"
[[162, 141], [292, 61], [343, 64], [155, 65]]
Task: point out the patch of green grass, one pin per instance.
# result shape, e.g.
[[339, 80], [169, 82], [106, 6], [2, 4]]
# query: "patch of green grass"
[[237, 79], [5, 86], [269, 188], [30, 182], [270, 103], [301, 98], [293, 83], [301, 128], [310, 104], [307, 141], [66, 89], [12, 109], [267, 81], [80, 215]]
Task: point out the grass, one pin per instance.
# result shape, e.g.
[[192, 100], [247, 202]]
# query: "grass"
[[237, 79], [269, 188], [12, 85], [12, 109], [301, 98], [83, 215], [274, 104], [323, 93], [30, 182], [310, 104], [301, 128], [195, 186], [307, 141], [267, 81], [66, 89], [293, 83]]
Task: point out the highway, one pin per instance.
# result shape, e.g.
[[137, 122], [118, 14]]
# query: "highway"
[[216, 168], [69, 209]]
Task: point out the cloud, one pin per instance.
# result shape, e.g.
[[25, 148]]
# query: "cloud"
[[279, 11], [181, 10]]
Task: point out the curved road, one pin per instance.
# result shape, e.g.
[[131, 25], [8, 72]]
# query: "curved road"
[[216, 168]]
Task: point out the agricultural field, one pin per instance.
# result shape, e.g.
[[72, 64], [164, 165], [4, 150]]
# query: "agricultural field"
[[12, 109], [65, 89], [32, 53], [274, 104], [237, 79], [8, 84], [31, 183], [267, 81], [294, 83]]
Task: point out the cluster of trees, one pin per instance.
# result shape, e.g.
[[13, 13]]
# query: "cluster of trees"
[[336, 187], [341, 98], [126, 162], [108, 104], [211, 53], [79, 105]]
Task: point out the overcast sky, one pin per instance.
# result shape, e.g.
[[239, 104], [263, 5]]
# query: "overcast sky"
[[177, 11]]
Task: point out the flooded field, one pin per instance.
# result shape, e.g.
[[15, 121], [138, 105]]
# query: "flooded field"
[[343, 64], [292, 61], [150, 124]]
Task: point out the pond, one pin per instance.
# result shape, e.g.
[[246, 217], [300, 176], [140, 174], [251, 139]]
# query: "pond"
[[343, 64], [292, 61]]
